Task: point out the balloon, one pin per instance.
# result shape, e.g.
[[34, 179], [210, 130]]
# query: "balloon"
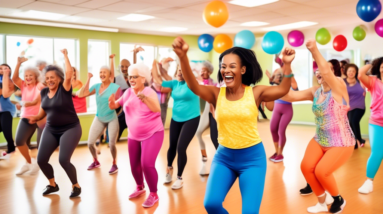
[[323, 36], [222, 42], [359, 34], [368, 10], [273, 42], [142, 58], [18, 44], [296, 38], [205, 42], [379, 27], [340, 43], [30, 41], [244, 39], [216, 14]]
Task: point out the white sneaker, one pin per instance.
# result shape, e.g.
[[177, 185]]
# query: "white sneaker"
[[329, 199], [367, 187], [25, 168], [34, 169], [178, 184], [318, 208], [203, 169], [4, 155], [168, 178]]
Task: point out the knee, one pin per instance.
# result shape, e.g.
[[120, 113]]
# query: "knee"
[[306, 168], [41, 161], [212, 206], [19, 142], [320, 173], [64, 162]]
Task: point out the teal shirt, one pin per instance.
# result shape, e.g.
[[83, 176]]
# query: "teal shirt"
[[104, 113], [186, 103]]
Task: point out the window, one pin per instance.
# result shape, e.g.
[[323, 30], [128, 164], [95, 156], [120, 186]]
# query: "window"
[[164, 52], [2, 50], [147, 56], [70, 45], [98, 56]]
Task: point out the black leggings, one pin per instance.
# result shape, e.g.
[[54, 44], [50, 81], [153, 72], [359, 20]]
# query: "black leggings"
[[122, 124], [181, 133], [25, 132], [68, 141], [213, 130], [261, 111], [354, 117], [6, 120]]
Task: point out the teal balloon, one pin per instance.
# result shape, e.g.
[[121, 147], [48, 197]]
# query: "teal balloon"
[[244, 39], [359, 34], [18, 44], [273, 42], [323, 36]]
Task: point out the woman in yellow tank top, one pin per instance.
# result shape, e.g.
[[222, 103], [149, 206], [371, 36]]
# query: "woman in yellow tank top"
[[240, 153]]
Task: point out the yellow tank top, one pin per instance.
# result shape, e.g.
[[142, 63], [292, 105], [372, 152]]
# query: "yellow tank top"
[[237, 120]]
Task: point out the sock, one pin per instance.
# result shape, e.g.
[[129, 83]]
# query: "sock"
[[369, 181], [114, 161]]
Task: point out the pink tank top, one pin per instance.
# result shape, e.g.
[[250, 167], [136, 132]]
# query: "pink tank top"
[[332, 126], [30, 93]]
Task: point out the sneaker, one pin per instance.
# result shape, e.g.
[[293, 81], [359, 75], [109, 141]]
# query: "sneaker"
[[273, 156], [203, 169], [367, 187], [329, 199], [137, 192], [25, 168], [151, 200], [178, 184], [204, 159], [306, 191], [94, 165], [278, 158], [4, 155], [318, 208], [114, 169], [338, 205], [168, 178], [75, 192], [34, 169], [50, 189]]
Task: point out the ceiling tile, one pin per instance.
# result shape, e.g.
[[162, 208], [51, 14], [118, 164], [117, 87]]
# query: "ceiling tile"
[[94, 4], [301, 9], [68, 2], [247, 12], [126, 7], [328, 3], [277, 5], [14, 3], [262, 17], [53, 8], [101, 14]]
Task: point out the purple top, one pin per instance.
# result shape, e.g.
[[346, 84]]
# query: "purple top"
[[355, 93]]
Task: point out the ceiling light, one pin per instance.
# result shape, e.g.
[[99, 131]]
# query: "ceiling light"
[[290, 26], [173, 29], [39, 15], [136, 17], [254, 24], [251, 3]]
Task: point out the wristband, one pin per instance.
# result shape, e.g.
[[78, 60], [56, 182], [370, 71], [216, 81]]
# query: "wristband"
[[289, 76]]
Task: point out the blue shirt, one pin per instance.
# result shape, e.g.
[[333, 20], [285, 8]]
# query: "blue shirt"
[[186, 103], [104, 113], [7, 105]]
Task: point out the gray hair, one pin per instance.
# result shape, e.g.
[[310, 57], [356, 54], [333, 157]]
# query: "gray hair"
[[106, 68], [58, 71], [40, 62], [208, 66], [35, 71], [142, 69]]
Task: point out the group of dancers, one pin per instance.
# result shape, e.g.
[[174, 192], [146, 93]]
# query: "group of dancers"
[[138, 98]]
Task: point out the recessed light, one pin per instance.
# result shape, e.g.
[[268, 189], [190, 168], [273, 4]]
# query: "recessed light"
[[290, 26], [40, 15], [251, 3], [173, 29], [135, 17], [254, 24]]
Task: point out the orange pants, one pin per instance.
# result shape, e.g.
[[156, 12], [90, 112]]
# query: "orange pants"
[[320, 162]]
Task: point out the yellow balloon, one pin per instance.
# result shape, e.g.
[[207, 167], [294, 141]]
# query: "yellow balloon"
[[216, 14], [222, 42]]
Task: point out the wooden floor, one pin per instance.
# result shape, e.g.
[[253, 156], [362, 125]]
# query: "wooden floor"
[[104, 193]]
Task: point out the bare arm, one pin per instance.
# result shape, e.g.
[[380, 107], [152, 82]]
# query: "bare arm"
[[84, 91], [8, 86], [294, 96], [38, 117], [113, 103], [16, 79], [270, 106], [157, 78], [151, 101], [363, 77], [135, 51], [294, 83], [111, 59], [34, 102], [68, 71]]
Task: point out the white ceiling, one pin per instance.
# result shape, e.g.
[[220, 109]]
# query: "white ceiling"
[[187, 13]]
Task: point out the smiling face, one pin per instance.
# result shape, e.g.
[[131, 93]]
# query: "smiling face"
[[205, 74], [179, 75], [30, 78], [351, 72], [52, 80], [319, 77], [124, 65], [4, 68], [136, 81], [232, 70], [104, 74]]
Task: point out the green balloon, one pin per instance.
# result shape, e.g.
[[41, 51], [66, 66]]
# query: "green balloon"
[[359, 34], [323, 36]]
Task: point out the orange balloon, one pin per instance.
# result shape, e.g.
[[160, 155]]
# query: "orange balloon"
[[216, 14], [30, 41], [222, 42]]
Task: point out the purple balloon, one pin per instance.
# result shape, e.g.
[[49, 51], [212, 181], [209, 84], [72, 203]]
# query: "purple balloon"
[[379, 27], [296, 38]]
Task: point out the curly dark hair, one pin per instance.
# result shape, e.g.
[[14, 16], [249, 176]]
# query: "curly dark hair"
[[351, 66], [336, 65], [375, 70], [253, 72]]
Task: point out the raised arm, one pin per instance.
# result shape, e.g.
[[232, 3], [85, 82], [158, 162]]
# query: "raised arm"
[[8, 86], [363, 77], [16, 78], [207, 93], [164, 73], [157, 78], [305, 95], [67, 84], [84, 91], [151, 101], [135, 51], [111, 59]]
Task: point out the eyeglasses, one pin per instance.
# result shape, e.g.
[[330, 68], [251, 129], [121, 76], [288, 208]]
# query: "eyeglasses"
[[134, 77]]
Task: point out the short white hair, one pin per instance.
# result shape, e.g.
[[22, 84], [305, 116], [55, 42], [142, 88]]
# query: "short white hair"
[[208, 66], [40, 62], [34, 70], [142, 70], [105, 67]]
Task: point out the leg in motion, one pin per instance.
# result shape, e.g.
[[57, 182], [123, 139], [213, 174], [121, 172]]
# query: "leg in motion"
[[135, 151], [113, 133], [96, 129]]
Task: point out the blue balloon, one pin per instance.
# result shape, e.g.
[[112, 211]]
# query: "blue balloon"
[[18, 44], [205, 42], [244, 39], [368, 10], [273, 42]]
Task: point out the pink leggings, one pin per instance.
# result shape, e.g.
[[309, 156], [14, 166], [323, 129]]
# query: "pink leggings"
[[282, 115], [143, 157]]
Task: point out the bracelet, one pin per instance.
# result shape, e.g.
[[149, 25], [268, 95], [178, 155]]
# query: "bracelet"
[[289, 76]]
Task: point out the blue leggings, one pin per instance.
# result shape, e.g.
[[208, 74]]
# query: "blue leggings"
[[376, 157], [249, 165]]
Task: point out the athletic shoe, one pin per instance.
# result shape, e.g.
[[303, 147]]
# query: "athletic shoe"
[[367, 187], [25, 168], [94, 165], [307, 190], [273, 156], [318, 208], [278, 158], [151, 200], [338, 205], [50, 189], [75, 192], [329, 199], [168, 177], [203, 169], [178, 184], [34, 169], [204, 159], [137, 193], [4, 155], [114, 169]]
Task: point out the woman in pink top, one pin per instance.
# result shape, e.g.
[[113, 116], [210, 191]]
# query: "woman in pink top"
[[374, 84], [146, 132], [30, 102]]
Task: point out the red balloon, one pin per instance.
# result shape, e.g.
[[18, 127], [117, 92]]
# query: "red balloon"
[[340, 43], [30, 41]]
